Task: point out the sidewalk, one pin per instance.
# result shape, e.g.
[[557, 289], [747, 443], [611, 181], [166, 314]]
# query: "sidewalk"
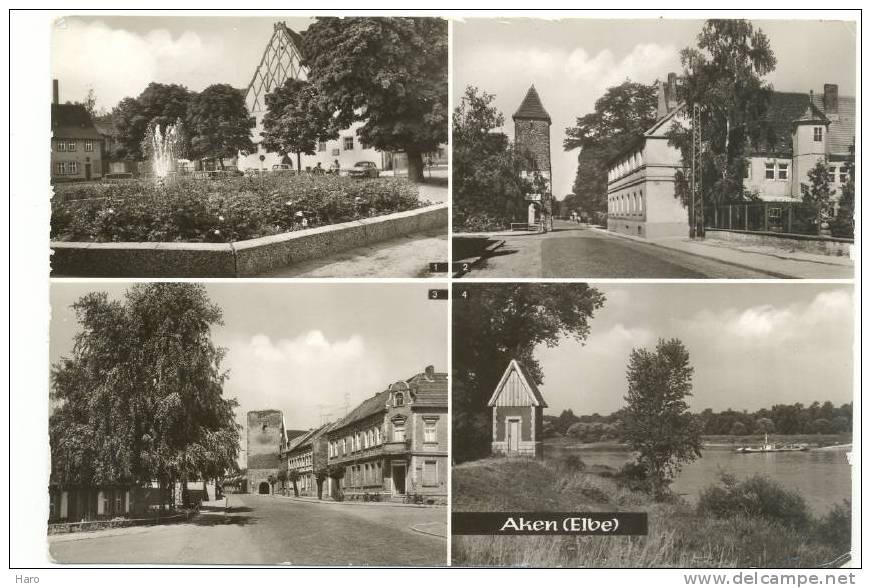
[[775, 262], [353, 502]]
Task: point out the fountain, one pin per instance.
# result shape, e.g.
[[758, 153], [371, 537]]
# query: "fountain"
[[164, 147]]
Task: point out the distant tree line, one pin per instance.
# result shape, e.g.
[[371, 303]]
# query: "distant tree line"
[[784, 419]]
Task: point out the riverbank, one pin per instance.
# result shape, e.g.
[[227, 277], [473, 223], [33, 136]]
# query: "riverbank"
[[679, 536], [836, 441]]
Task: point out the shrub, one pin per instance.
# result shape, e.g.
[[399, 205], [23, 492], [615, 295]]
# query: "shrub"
[[220, 211], [632, 476], [835, 528], [573, 462], [757, 496]]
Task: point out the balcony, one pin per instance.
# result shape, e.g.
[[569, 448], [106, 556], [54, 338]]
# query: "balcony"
[[391, 447]]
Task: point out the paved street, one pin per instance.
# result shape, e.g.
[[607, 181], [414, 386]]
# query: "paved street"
[[271, 530], [575, 251]]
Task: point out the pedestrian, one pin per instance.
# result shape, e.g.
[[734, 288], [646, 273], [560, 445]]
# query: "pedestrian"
[[319, 169], [335, 168]]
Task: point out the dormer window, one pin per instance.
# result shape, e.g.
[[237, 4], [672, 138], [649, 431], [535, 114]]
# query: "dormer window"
[[818, 134], [399, 399]]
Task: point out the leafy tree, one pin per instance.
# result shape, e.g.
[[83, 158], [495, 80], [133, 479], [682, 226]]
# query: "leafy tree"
[[294, 122], [724, 75], [336, 471], [658, 424], [566, 419], [90, 104], [486, 171], [219, 123], [822, 426], [840, 424], [845, 219], [293, 476], [321, 474], [738, 429], [495, 323], [283, 477], [389, 73], [818, 193], [764, 425], [158, 104], [272, 479], [140, 397], [623, 113]]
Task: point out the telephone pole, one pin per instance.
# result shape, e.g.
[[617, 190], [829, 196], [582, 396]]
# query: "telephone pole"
[[697, 211]]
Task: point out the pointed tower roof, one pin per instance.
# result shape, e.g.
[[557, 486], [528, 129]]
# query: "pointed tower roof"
[[531, 108], [811, 113]]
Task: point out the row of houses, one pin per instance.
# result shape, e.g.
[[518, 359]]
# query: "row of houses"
[[391, 446]]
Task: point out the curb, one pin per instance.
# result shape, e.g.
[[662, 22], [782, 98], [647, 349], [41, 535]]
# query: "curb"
[[237, 259], [422, 532], [356, 503], [778, 275]]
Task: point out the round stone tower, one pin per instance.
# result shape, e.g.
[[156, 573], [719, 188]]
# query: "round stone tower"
[[532, 143]]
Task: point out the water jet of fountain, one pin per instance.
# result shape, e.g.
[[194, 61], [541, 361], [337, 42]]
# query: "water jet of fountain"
[[164, 146]]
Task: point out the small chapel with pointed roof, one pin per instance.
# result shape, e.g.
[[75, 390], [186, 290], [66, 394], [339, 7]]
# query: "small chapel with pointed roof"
[[518, 408]]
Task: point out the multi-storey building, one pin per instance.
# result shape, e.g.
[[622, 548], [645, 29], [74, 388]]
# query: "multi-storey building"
[[307, 456], [394, 444], [800, 130], [76, 145], [282, 59]]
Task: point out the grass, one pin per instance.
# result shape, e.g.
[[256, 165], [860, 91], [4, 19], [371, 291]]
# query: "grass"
[[679, 535], [220, 211]]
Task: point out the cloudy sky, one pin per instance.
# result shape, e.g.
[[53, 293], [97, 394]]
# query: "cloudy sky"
[[301, 348], [119, 56], [573, 62], [752, 345]]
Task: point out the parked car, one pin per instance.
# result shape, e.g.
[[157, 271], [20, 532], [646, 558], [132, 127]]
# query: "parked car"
[[364, 169]]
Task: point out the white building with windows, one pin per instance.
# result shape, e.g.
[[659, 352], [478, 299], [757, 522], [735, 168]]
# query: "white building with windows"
[[799, 131]]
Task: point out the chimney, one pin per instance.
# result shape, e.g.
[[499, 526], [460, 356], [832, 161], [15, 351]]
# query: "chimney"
[[55, 93], [830, 98]]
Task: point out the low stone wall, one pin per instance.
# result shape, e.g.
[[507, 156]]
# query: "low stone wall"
[[82, 526], [240, 259], [820, 245]]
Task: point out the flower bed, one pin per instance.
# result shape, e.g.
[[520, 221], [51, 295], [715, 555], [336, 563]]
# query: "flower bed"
[[220, 211]]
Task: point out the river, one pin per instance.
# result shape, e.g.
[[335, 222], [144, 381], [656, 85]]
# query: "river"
[[822, 477]]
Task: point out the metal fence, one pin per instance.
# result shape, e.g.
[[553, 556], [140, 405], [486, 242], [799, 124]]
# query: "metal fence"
[[771, 217]]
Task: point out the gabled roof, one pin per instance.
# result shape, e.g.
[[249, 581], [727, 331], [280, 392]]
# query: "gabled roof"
[[842, 128], [515, 366], [531, 107], [307, 437], [370, 406], [429, 391], [72, 121], [785, 109]]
